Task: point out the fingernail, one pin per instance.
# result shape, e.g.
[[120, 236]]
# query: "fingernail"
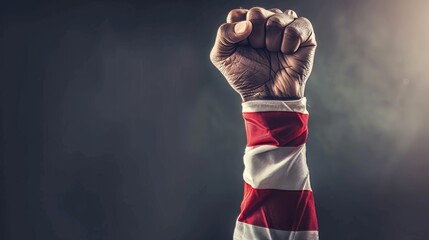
[[240, 27]]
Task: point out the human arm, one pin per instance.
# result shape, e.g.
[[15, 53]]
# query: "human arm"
[[267, 57]]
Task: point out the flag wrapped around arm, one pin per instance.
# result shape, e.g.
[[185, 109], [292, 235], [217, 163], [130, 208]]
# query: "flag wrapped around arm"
[[278, 201]]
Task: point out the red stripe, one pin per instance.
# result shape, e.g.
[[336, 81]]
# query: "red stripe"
[[288, 210], [283, 129]]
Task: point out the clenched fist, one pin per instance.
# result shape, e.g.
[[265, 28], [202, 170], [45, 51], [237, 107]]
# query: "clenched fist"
[[265, 54]]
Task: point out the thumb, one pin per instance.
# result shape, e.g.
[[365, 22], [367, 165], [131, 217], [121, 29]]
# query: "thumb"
[[228, 35]]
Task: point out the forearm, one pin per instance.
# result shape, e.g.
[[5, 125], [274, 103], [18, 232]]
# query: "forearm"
[[278, 201], [268, 54]]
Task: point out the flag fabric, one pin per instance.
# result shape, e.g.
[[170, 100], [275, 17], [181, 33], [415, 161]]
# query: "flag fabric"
[[278, 202]]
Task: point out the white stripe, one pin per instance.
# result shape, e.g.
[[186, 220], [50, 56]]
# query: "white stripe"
[[244, 231], [276, 105], [271, 167]]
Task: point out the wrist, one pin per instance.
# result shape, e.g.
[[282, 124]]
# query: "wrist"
[[278, 98], [275, 122], [266, 95]]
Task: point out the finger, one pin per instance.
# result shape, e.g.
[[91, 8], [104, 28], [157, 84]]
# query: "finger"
[[298, 33], [228, 35], [236, 15], [291, 13], [275, 10], [258, 16], [274, 30]]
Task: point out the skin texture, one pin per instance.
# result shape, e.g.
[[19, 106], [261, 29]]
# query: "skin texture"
[[265, 54]]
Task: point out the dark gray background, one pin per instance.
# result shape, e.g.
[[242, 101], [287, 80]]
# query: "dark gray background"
[[115, 125]]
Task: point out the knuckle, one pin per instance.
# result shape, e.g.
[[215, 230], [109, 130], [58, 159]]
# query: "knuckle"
[[290, 12], [305, 23], [224, 33], [223, 28], [275, 22], [276, 10], [304, 19], [235, 14], [256, 13]]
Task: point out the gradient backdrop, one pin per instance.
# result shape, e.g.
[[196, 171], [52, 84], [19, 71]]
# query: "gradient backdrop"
[[115, 125]]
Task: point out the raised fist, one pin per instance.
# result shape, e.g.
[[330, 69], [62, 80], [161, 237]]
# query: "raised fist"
[[265, 54]]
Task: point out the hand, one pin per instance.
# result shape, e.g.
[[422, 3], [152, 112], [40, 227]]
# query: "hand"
[[265, 54]]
